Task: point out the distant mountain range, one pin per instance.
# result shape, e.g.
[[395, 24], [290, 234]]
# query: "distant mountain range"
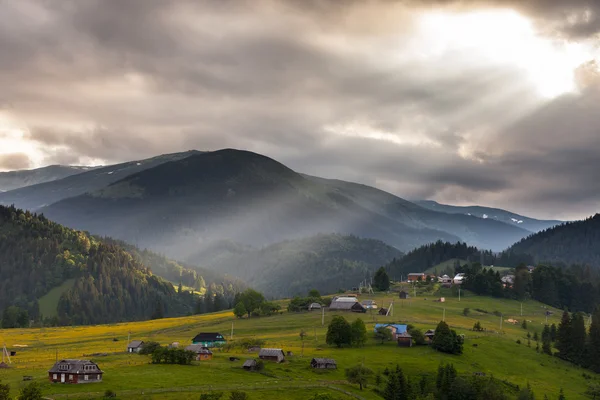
[[530, 224], [17, 179], [180, 205]]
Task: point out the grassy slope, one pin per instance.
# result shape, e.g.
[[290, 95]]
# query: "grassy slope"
[[49, 301], [496, 353]]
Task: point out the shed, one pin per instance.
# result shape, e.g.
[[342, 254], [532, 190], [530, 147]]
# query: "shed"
[[323, 363], [75, 371], [201, 352], [383, 311], [347, 306], [249, 365], [209, 339], [404, 339], [314, 306], [403, 295], [276, 355], [429, 334], [135, 346]]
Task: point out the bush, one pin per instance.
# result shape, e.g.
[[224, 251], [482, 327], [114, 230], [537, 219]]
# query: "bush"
[[33, 391], [149, 347], [524, 324], [417, 336], [477, 327], [237, 395], [211, 396], [466, 311], [260, 365], [497, 313], [482, 311], [108, 394], [446, 340]]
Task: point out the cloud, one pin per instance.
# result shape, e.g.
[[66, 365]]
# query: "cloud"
[[14, 161], [351, 89]]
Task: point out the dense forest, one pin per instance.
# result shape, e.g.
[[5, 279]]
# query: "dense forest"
[[109, 284], [570, 243], [323, 262]]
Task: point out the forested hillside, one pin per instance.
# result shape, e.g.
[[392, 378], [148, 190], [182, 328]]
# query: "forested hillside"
[[570, 243], [108, 283], [12, 180], [324, 262]]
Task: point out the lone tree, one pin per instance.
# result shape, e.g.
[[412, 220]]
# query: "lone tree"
[[339, 332], [381, 280], [240, 310], [446, 340], [358, 375], [32, 391], [383, 334], [359, 333]]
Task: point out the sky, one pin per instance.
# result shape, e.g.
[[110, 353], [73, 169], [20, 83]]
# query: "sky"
[[481, 102]]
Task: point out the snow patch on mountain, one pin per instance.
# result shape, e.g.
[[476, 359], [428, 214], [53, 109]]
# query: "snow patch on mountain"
[[518, 221]]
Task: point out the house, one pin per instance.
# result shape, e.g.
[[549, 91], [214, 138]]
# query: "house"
[[369, 304], [75, 371], [314, 306], [429, 334], [211, 339], [202, 353], [508, 280], [173, 345], [404, 339], [135, 346], [276, 355], [458, 279], [396, 329], [383, 311], [403, 295], [249, 365], [347, 298], [414, 277], [445, 280], [323, 363], [347, 306]]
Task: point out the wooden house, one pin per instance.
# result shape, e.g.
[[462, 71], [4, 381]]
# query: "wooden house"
[[403, 295], [347, 306], [323, 363], [416, 277], [249, 365], [202, 353], [404, 339], [429, 334], [135, 346], [209, 339], [396, 329], [276, 355], [75, 371]]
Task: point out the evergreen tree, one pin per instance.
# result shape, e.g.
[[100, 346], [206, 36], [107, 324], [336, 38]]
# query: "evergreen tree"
[[594, 341], [578, 339], [446, 340], [33, 391], [563, 336], [158, 310], [339, 332], [381, 280], [553, 333], [561, 395], [359, 333]]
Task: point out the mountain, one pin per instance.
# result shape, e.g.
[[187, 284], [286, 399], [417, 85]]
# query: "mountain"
[[75, 278], [39, 195], [293, 267], [569, 243], [510, 218], [12, 180], [180, 206]]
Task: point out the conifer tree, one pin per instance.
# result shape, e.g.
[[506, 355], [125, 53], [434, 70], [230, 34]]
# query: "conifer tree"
[[578, 339], [563, 336], [594, 341]]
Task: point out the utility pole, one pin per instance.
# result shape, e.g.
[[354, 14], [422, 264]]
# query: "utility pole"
[[232, 331], [501, 322], [128, 340], [322, 316], [315, 334], [459, 293], [415, 289], [444, 315]]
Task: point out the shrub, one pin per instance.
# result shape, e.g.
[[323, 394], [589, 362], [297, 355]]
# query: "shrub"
[[446, 340], [237, 395], [260, 365], [524, 324], [417, 336], [518, 341], [477, 327], [466, 311], [211, 396], [481, 311], [108, 394], [497, 313], [149, 347]]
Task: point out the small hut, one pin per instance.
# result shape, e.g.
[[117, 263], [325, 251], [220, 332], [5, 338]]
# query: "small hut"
[[276, 355], [249, 365], [404, 339], [429, 334], [403, 295], [135, 346], [323, 363], [383, 311], [314, 306]]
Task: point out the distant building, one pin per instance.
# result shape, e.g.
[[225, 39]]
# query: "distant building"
[[314, 306], [414, 277], [276, 355], [201, 352], [396, 329], [383, 311], [323, 363], [135, 346], [404, 339], [369, 304], [445, 280], [458, 279], [429, 334], [249, 365], [347, 306], [508, 280], [211, 339], [403, 295], [75, 371]]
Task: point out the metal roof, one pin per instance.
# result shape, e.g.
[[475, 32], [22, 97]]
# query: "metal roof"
[[135, 344], [75, 367], [324, 361], [270, 352]]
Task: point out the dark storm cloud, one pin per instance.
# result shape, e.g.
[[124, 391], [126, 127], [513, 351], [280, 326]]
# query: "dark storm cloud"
[[310, 83], [14, 161]]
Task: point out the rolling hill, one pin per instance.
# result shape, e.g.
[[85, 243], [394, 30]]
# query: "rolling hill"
[[182, 205], [12, 180], [34, 196], [82, 279], [293, 267], [569, 243], [531, 224]]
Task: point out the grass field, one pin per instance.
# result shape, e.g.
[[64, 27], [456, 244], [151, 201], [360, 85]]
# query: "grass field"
[[133, 377], [49, 302]]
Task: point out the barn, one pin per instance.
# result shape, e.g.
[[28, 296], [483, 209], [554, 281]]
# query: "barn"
[[202, 353], [323, 363], [75, 371], [276, 355]]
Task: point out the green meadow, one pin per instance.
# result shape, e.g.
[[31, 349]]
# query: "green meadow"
[[493, 352]]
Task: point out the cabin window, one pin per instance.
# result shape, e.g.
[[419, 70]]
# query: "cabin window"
[[63, 367], [55, 376], [70, 377], [85, 377], [98, 377]]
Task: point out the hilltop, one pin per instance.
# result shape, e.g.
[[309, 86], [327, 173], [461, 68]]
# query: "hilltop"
[[569, 243], [12, 180]]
